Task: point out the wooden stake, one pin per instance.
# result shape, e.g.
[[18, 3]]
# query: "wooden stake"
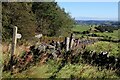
[[71, 41], [14, 41], [67, 43]]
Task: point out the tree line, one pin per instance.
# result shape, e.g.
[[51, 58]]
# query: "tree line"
[[104, 28], [32, 18]]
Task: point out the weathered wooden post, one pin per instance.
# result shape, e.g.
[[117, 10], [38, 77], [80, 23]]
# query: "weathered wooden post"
[[71, 41], [67, 40], [13, 46], [14, 42]]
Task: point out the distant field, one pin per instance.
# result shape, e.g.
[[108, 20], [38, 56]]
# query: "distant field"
[[114, 35], [81, 28]]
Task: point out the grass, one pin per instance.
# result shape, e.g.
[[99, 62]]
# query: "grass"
[[114, 35], [43, 71], [110, 47], [81, 28], [1, 61], [85, 71], [76, 70], [38, 71]]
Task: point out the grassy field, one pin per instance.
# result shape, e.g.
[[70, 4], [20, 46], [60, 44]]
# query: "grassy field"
[[107, 35], [84, 71], [77, 70], [68, 71], [114, 35], [110, 47], [102, 46], [81, 28]]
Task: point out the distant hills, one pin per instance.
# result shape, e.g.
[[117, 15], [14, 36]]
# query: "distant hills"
[[97, 22], [97, 18]]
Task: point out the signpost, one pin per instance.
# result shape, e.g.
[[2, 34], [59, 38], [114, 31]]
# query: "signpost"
[[18, 36], [14, 41], [38, 36]]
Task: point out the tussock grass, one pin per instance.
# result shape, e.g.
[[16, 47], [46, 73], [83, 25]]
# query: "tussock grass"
[[85, 71], [110, 47]]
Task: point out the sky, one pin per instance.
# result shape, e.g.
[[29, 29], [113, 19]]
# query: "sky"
[[91, 10], [87, 0]]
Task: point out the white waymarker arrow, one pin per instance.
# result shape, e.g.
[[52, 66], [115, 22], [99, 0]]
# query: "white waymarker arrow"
[[18, 36]]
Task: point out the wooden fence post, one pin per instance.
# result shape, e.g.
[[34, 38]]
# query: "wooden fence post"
[[67, 43], [14, 40], [71, 42]]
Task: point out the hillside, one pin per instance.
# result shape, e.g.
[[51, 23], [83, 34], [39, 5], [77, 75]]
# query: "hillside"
[[55, 46]]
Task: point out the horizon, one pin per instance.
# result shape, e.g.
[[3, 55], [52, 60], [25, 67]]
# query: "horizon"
[[96, 19]]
